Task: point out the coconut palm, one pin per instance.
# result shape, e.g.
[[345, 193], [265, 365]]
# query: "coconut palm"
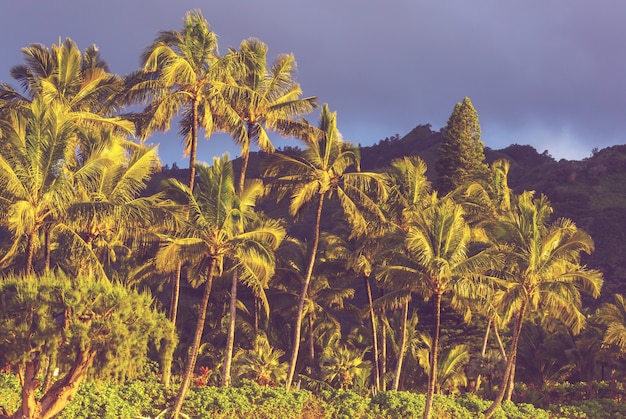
[[402, 330], [544, 273], [108, 213], [359, 255], [262, 99], [440, 241], [221, 227], [81, 81], [33, 185], [181, 70], [318, 174], [67, 95], [408, 196]]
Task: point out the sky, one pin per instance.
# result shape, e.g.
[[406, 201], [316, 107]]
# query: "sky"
[[545, 73]]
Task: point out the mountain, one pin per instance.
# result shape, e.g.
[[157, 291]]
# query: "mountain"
[[591, 192]]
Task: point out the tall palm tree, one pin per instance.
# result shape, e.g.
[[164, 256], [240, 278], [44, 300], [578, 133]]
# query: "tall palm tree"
[[360, 255], [318, 174], [33, 187], [544, 271], [181, 71], [408, 193], [440, 241], [221, 227], [179, 77], [262, 99]]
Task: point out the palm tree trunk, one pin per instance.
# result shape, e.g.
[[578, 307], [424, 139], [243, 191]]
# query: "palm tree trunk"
[[374, 334], [47, 249], [511, 384], [193, 146], [175, 293], [383, 349], [192, 356], [500, 344], [483, 351], [311, 343], [509, 364], [30, 250], [396, 376], [434, 353], [303, 293], [230, 340]]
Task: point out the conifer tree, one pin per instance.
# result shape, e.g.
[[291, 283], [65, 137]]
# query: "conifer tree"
[[461, 155]]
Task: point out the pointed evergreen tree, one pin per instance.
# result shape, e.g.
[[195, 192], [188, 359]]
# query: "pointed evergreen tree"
[[461, 155]]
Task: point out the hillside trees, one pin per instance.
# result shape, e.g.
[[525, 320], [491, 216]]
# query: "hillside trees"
[[70, 182]]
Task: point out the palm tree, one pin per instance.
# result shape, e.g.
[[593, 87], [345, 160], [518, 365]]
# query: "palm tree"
[[451, 368], [340, 364], [544, 272], [81, 81], [33, 187], [360, 255], [261, 363], [613, 317], [221, 227], [439, 240], [180, 72], [107, 213], [67, 95], [408, 195], [319, 173], [263, 98]]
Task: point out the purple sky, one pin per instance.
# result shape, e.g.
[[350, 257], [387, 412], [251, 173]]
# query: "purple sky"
[[551, 74]]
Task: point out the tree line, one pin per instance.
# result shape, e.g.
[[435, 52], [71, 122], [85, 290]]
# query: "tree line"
[[84, 246]]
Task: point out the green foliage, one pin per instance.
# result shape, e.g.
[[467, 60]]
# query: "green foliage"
[[9, 392], [247, 399], [54, 313]]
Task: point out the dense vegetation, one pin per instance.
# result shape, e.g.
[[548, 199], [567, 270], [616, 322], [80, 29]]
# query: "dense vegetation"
[[323, 280]]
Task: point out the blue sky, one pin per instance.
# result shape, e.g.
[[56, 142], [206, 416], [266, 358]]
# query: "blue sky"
[[546, 73]]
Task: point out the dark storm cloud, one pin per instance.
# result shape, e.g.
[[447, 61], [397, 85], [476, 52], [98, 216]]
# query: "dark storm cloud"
[[545, 73]]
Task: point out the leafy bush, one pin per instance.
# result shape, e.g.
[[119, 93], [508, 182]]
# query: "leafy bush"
[[246, 399], [9, 392], [591, 409]]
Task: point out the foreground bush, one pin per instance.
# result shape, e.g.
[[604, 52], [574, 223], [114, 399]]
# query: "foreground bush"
[[84, 326], [148, 398]]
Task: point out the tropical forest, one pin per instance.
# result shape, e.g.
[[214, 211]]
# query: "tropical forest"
[[424, 276]]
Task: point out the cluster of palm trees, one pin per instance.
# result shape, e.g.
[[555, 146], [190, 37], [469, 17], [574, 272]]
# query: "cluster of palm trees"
[[73, 197]]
